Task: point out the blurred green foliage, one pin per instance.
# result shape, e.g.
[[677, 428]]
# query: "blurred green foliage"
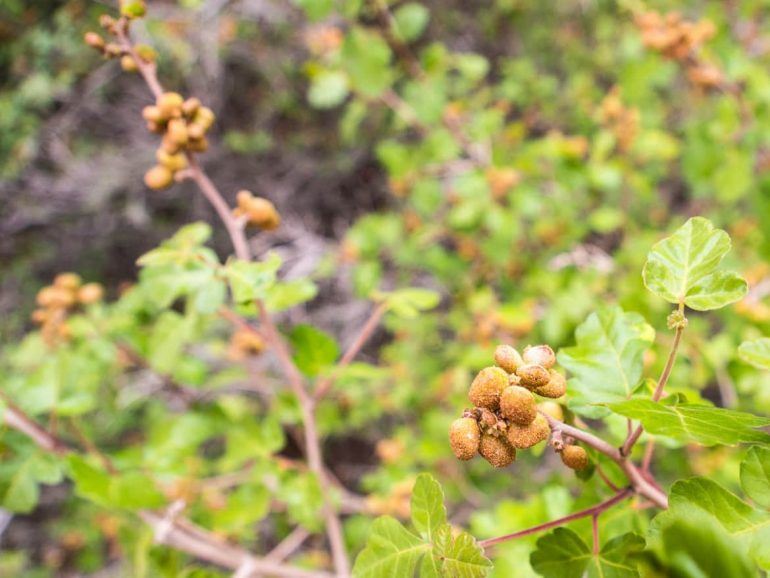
[[535, 152]]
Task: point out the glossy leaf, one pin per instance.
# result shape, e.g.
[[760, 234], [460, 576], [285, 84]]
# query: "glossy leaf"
[[563, 554], [682, 268], [606, 362]]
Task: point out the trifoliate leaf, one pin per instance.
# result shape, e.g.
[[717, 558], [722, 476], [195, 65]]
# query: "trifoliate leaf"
[[756, 352], [682, 268], [458, 555], [701, 424], [755, 476], [606, 363], [563, 554], [391, 551]]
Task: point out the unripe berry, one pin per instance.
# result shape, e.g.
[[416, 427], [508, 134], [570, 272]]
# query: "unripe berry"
[[158, 177], [40, 316], [526, 436], [262, 213], [508, 358], [195, 130], [94, 40], [133, 8], [152, 114], [127, 63], [169, 145], [112, 50], [556, 386], [146, 53], [497, 451], [69, 281], [574, 457], [198, 145], [170, 104], [205, 117], [540, 355], [487, 387], [464, 437], [518, 405], [173, 163], [551, 408], [190, 107], [107, 22], [177, 131], [90, 293], [533, 376]]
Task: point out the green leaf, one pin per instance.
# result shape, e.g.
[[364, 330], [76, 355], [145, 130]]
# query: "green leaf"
[[366, 57], [134, 491], [428, 512], [391, 551], [457, 556], [251, 280], [696, 546], [606, 362], [22, 492], [696, 497], [411, 20], [701, 424], [755, 476], [314, 350], [563, 554], [756, 352], [90, 482], [682, 268], [287, 294], [328, 89], [408, 302], [167, 340]]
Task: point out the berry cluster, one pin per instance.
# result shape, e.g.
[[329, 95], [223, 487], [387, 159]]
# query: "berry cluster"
[[256, 211], [57, 300], [678, 39], [183, 124], [506, 416], [129, 10], [623, 121]]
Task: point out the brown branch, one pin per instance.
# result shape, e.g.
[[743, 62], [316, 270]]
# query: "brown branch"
[[592, 511], [355, 347], [640, 484]]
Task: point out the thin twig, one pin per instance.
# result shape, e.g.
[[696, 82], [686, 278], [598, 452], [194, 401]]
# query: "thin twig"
[[350, 354], [593, 510]]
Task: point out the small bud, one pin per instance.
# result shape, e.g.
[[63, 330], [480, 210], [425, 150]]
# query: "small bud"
[[158, 177], [574, 457], [487, 387], [128, 64], [170, 104], [112, 50], [174, 163], [90, 293], [526, 436], [508, 358], [497, 451], [94, 40], [540, 355], [263, 214], [551, 408], [107, 22], [533, 376], [556, 386], [518, 405], [464, 437]]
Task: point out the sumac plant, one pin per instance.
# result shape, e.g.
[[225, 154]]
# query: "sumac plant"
[[189, 405]]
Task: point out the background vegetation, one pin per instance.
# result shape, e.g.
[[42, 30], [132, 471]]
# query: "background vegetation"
[[513, 160]]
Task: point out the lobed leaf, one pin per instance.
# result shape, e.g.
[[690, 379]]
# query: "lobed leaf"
[[682, 268], [606, 362]]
